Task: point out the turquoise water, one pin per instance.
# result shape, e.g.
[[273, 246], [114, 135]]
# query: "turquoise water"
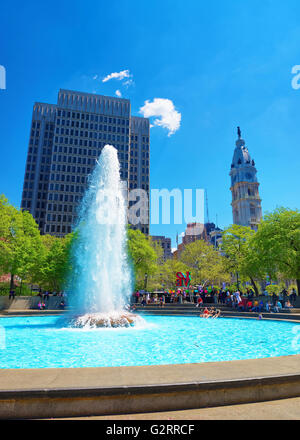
[[45, 342]]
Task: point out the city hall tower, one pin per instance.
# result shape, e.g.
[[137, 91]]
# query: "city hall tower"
[[246, 203]]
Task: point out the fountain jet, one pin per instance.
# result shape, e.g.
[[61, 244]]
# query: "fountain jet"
[[102, 278]]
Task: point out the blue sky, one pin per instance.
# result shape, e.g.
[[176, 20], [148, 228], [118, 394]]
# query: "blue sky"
[[222, 64]]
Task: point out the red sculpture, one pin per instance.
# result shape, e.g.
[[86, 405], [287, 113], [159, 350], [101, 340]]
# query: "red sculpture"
[[183, 280]]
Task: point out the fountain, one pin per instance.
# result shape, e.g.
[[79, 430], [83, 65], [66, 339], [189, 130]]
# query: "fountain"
[[101, 282]]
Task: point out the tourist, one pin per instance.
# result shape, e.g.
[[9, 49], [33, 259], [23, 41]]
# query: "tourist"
[[199, 302], [11, 294], [196, 295], [161, 302], [293, 297], [205, 313], [255, 307], [238, 297], [216, 296], [288, 305], [261, 306], [284, 295], [281, 296], [180, 297], [227, 299], [249, 305], [240, 306], [251, 294], [62, 305], [268, 306], [220, 297], [244, 301], [41, 305], [215, 313], [278, 306], [260, 316]]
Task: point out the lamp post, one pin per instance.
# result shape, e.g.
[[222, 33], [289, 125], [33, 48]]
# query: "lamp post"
[[145, 281]]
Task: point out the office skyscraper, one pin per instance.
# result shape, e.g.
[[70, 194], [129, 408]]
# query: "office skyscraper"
[[165, 243], [65, 141]]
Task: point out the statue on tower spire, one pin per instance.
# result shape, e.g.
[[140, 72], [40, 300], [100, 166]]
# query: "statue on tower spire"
[[239, 132]]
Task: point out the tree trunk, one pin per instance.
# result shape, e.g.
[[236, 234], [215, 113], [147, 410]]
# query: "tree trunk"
[[11, 281], [254, 287], [298, 286]]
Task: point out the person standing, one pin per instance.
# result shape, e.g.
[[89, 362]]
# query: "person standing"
[[293, 296], [11, 294], [199, 302], [238, 297]]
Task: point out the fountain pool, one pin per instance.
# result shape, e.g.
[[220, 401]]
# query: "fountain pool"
[[48, 342]]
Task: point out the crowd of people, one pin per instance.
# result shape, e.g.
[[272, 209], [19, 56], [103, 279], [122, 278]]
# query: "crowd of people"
[[273, 303], [45, 295], [241, 301]]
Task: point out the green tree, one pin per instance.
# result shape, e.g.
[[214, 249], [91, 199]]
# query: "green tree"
[[242, 257], [278, 242], [55, 263], [165, 276], [144, 254], [206, 264], [20, 241]]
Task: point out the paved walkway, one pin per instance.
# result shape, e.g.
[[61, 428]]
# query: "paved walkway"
[[286, 409], [67, 378]]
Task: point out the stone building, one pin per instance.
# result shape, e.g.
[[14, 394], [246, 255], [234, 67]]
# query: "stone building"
[[165, 243], [246, 202]]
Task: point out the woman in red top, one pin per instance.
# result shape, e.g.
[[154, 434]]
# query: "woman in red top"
[[199, 301], [205, 313], [249, 305]]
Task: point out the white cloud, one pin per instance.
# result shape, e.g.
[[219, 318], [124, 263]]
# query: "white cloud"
[[95, 77], [118, 93], [169, 118], [128, 83], [117, 75]]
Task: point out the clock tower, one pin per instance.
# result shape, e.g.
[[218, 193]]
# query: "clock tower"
[[246, 203]]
